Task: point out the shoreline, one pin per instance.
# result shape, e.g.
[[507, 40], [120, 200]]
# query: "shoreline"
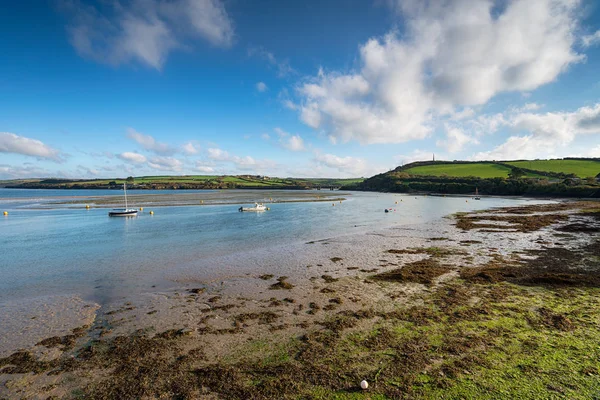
[[210, 197], [349, 280]]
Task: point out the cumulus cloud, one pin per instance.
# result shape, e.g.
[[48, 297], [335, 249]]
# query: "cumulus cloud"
[[135, 158], [145, 31], [218, 154], [590, 40], [261, 87], [246, 163], [456, 139], [203, 167], [454, 53], [531, 107], [149, 143], [22, 172], [350, 166], [12, 143], [467, 112], [544, 133], [289, 141], [190, 148], [165, 163]]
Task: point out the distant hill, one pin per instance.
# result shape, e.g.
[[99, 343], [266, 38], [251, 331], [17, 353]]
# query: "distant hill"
[[582, 168], [184, 182], [561, 177], [559, 168]]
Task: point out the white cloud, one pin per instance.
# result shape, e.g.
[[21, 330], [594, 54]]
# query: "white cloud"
[[265, 136], [590, 40], [11, 143], [145, 31], [165, 163], [22, 172], [289, 141], [203, 167], [218, 154], [350, 166], [190, 148], [149, 143], [294, 143], [518, 147], [546, 133], [261, 87], [456, 139], [487, 124], [290, 105], [467, 112], [246, 163], [531, 107], [310, 115], [135, 158], [455, 53]]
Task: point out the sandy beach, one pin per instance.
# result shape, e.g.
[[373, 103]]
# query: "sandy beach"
[[498, 304]]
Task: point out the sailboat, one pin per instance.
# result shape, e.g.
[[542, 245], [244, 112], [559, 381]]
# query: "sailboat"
[[477, 195], [123, 212]]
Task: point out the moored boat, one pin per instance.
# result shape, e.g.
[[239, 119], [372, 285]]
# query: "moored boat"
[[257, 207], [123, 212]]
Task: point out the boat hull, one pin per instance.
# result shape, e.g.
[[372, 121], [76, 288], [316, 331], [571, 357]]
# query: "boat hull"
[[123, 213]]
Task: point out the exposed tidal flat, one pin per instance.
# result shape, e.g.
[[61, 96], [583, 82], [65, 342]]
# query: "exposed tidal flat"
[[443, 297]]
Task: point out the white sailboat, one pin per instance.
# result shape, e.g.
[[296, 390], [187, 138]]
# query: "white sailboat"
[[123, 212], [477, 194]]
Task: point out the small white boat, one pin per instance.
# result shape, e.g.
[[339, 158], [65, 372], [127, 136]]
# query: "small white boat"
[[123, 212], [477, 195], [257, 207]]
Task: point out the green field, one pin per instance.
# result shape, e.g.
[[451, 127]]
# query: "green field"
[[581, 168], [482, 170], [188, 182]]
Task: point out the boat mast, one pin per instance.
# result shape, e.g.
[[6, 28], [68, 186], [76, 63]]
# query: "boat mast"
[[125, 190]]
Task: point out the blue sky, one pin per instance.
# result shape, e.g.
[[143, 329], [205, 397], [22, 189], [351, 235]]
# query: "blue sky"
[[304, 88]]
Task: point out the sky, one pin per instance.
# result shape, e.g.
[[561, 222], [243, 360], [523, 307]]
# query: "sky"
[[330, 88]]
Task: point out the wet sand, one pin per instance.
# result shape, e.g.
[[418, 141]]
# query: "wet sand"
[[212, 197], [283, 303]]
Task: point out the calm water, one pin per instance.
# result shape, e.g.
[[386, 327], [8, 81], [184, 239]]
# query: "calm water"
[[73, 251]]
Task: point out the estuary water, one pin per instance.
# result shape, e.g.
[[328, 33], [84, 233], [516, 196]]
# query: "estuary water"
[[60, 250]]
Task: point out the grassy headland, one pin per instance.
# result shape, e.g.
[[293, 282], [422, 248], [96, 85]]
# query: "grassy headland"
[[562, 178]]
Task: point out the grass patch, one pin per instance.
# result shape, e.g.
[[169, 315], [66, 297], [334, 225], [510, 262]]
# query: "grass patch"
[[482, 170], [581, 168]]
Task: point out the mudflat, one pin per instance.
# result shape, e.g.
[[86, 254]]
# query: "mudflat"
[[503, 303]]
